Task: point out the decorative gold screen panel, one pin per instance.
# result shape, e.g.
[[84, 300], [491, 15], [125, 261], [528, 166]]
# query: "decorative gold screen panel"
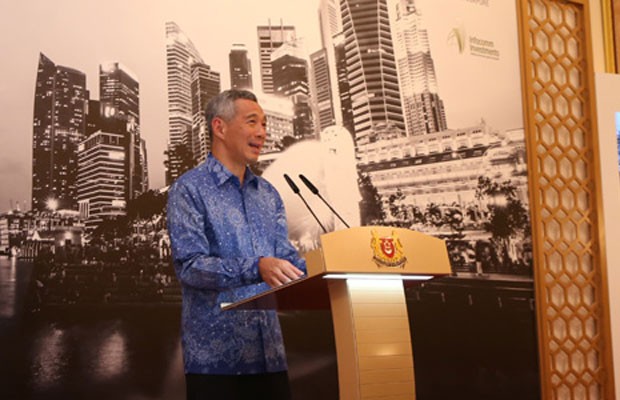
[[573, 325]]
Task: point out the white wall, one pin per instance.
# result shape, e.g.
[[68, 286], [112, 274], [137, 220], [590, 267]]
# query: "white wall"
[[608, 103]]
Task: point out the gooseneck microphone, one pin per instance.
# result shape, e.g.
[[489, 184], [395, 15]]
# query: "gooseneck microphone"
[[315, 191], [295, 190]]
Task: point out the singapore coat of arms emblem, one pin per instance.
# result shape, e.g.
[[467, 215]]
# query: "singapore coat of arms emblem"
[[387, 251]]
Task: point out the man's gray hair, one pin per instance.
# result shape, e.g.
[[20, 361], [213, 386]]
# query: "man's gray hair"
[[223, 106]]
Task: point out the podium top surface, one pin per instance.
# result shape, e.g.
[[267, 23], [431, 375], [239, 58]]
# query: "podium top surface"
[[362, 250], [306, 293], [380, 249]]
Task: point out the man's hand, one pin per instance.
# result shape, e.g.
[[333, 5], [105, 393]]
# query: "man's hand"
[[276, 271]]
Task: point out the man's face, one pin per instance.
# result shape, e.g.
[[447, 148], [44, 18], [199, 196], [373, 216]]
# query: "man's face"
[[244, 135]]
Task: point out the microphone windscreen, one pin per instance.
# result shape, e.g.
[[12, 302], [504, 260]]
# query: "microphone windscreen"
[[292, 184], [309, 184]]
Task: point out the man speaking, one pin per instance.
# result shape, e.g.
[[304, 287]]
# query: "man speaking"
[[229, 241]]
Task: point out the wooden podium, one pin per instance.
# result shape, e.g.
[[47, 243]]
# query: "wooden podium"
[[359, 273]]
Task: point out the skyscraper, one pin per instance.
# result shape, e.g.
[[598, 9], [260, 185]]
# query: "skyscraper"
[[269, 39], [120, 106], [371, 68], [119, 89], [93, 116], [240, 68], [330, 22], [59, 124], [181, 54], [101, 177], [344, 88], [205, 85], [322, 90], [290, 79], [423, 108]]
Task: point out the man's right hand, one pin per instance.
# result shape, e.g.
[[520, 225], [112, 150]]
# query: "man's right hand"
[[276, 271]]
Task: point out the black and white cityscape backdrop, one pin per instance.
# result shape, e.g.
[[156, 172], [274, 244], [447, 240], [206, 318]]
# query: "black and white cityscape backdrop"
[[403, 112]]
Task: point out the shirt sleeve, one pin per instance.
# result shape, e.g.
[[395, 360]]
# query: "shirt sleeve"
[[191, 252]]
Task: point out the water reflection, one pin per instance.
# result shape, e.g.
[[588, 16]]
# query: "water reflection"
[[98, 355], [8, 278], [49, 363], [112, 358], [133, 352], [94, 352]]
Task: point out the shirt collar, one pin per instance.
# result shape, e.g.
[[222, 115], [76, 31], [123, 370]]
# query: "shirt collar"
[[221, 174]]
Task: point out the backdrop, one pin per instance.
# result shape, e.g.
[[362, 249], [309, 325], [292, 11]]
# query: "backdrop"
[[402, 112]]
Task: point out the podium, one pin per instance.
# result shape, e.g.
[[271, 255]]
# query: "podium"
[[359, 274]]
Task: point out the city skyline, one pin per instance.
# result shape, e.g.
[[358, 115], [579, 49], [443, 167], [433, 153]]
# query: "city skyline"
[[121, 44], [94, 42]]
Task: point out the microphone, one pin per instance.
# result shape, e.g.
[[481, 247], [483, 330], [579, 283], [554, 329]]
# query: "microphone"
[[315, 191], [295, 190]]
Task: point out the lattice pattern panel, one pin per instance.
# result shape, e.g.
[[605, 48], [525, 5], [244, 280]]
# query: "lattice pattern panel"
[[561, 151]]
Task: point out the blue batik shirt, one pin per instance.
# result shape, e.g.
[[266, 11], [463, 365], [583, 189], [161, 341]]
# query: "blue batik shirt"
[[219, 229]]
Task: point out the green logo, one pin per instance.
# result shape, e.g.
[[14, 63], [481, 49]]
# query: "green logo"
[[457, 37]]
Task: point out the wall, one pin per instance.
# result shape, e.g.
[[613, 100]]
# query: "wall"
[[608, 104], [608, 87]]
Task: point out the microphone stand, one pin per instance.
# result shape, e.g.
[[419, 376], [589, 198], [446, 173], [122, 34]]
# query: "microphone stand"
[[298, 193], [315, 191]]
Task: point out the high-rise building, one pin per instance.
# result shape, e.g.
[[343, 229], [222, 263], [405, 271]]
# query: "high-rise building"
[[93, 116], [371, 68], [119, 99], [330, 22], [240, 68], [423, 108], [181, 54], [269, 39], [205, 85], [59, 124], [290, 79], [101, 177], [279, 114], [344, 89], [119, 91], [321, 90]]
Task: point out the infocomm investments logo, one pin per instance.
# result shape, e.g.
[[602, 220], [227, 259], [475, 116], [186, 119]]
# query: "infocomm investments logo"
[[475, 46]]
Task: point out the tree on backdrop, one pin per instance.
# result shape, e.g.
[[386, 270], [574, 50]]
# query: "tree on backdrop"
[[433, 215], [371, 209], [147, 205], [113, 228], [507, 215], [396, 206]]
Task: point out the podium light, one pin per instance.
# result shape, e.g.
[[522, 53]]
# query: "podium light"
[[379, 277]]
